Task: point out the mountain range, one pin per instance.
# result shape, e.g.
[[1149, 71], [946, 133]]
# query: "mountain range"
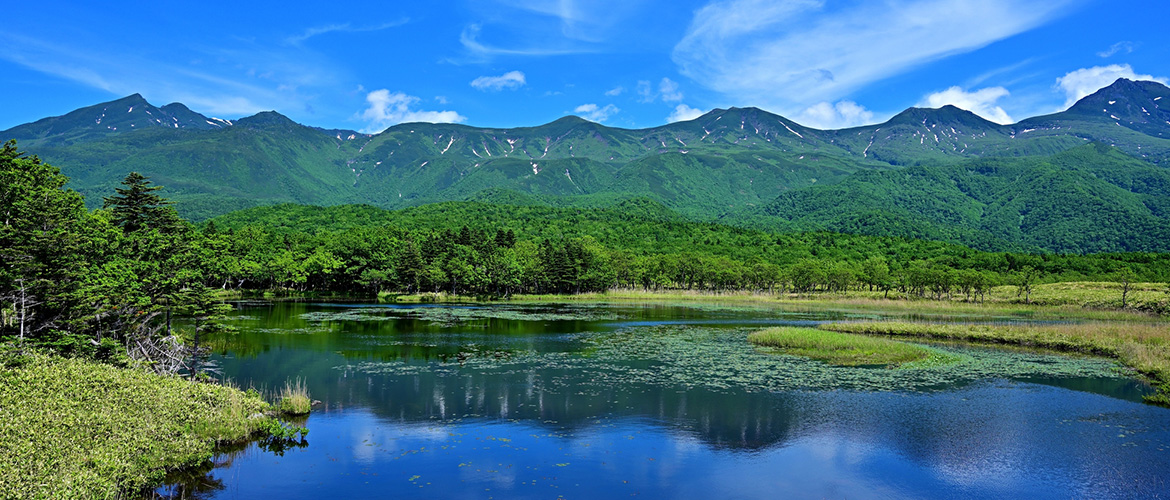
[[1092, 178]]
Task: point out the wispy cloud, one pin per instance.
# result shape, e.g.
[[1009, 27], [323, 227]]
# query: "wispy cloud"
[[244, 83], [585, 20], [1082, 82], [785, 55], [341, 28], [595, 113], [511, 80], [645, 91], [387, 109], [682, 113], [469, 38], [842, 114], [667, 90], [1117, 48], [616, 91]]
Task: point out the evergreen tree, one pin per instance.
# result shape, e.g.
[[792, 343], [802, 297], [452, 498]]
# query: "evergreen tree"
[[137, 207]]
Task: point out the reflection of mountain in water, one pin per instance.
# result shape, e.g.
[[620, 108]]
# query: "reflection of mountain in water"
[[516, 374]]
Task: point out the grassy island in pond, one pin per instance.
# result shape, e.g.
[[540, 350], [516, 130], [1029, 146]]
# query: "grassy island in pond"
[[839, 348], [1145, 347], [71, 428]]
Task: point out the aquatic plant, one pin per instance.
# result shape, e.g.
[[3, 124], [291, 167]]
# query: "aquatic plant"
[[838, 348], [294, 398], [1144, 347], [456, 315], [720, 359]]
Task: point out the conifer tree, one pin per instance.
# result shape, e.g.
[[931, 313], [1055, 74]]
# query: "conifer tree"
[[137, 207]]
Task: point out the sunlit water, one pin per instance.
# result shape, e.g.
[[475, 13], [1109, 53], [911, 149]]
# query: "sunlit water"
[[660, 401]]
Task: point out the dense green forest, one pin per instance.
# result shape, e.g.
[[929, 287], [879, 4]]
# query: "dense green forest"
[[108, 281], [1089, 179], [477, 248]]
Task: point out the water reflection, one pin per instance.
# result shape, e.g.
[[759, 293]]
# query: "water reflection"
[[449, 421]]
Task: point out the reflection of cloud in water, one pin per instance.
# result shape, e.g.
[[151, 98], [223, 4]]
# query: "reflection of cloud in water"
[[715, 414]]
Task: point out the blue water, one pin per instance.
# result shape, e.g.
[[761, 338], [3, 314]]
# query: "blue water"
[[518, 408]]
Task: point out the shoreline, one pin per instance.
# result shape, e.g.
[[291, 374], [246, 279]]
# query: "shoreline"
[[99, 431]]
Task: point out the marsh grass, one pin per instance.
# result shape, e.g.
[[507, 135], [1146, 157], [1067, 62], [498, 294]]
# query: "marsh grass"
[[76, 429], [1145, 347], [839, 348], [1070, 300], [294, 398]]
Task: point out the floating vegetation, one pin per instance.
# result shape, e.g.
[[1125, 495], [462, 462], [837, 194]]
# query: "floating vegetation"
[[1143, 347], [721, 359], [459, 315]]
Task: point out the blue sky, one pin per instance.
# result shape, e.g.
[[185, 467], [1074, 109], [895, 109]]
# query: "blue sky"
[[627, 63]]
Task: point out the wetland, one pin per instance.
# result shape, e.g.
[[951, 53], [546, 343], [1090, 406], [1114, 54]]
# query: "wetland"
[[667, 400]]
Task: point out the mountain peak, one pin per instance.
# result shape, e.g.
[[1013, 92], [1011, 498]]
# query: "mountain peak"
[[1136, 105], [946, 115], [265, 118], [125, 114]]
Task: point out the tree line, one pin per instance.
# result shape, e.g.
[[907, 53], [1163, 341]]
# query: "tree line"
[[106, 283]]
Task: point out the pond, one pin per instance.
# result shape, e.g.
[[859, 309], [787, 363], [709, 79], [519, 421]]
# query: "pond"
[[664, 401]]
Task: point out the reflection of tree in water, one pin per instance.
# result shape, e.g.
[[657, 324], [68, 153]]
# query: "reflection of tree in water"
[[701, 383], [197, 482], [194, 483], [733, 420]]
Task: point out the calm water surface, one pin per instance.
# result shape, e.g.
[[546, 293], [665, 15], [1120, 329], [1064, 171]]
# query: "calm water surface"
[[655, 401]]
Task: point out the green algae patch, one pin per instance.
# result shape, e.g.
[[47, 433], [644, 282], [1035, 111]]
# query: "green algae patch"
[[841, 349], [77, 429]]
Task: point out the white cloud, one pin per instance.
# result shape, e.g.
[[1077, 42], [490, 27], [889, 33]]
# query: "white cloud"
[[1082, 82], [668, 90], [595, 113], [270, 82], [1116, 48], [827, 115], [441, 99], [585, 20], [784, 55], [511, 80], [616, 91], [981, 102], [469, 38], [388, 109], [682, 112], [343, 28]]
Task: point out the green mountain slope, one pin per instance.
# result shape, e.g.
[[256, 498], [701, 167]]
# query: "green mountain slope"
[[726, 164], [1089, 199]]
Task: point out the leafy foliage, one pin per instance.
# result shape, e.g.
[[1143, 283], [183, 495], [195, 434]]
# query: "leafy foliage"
[[926, 173]]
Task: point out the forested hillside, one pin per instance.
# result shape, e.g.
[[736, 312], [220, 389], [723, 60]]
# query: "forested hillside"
[[1088, 179], [1088, 199]]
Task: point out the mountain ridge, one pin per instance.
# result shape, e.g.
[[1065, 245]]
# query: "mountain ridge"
[[727, 163]]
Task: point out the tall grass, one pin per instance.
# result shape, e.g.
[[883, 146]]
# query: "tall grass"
[[294, 398], [1079, 300], [839, 348], [1145, 347]]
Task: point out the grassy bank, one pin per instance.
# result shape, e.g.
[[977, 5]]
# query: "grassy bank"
[[77, 429], [1059, 301], [1145, 347], [839, 348], [1071, 300]]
